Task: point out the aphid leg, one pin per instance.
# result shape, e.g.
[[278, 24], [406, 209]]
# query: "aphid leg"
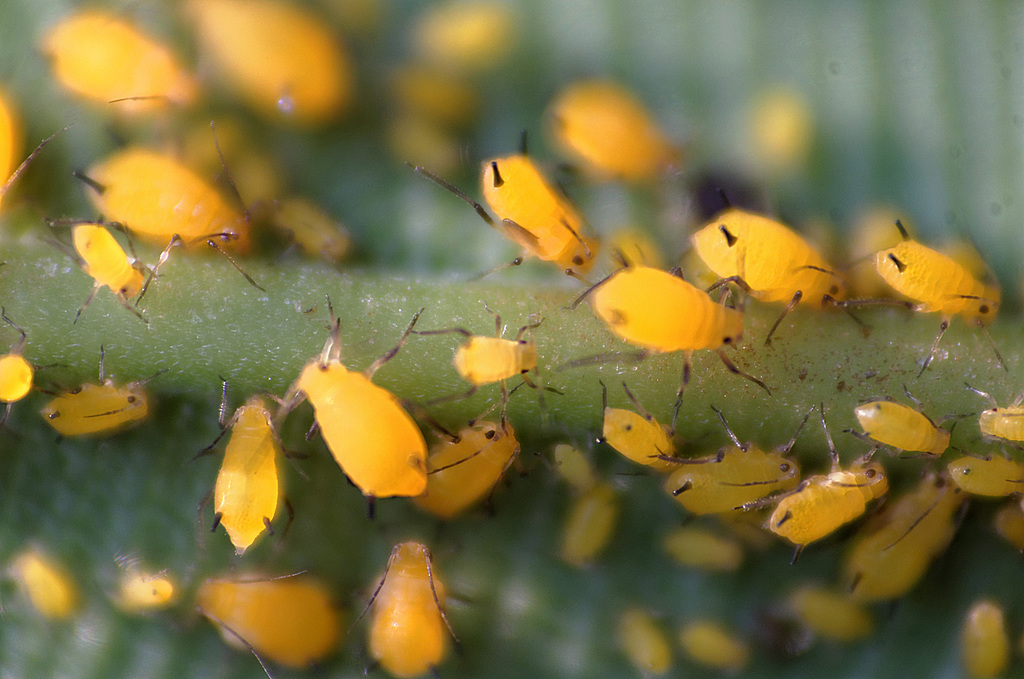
[[728, 430], [733, 369], [797, 296], [792, 442], [617, 357], [639, 408], [313, 429], [433, 591], [373, 597], [216, 521], [989, 397], [682, 387], [586, 293], [212, 244], [832, 452], [92, 293], [495, 269], [450, 187], [175, 241], [375, 366], [991, 343], [240, 638], [935, 345], [16, 348], [24, 164], [430, 421]]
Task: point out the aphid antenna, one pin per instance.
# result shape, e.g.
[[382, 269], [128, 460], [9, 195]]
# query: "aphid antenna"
[[985, 395], [376, 365], [745, 447], [785, 450], [240, 638], [16, 348]]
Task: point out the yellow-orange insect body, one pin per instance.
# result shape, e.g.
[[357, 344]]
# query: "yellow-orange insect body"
[[408, 629], [985, 644], [106, 261], [49, 587], [990, 476], [710, 644], [736, 475], [703, 549], [313, 230], [461, 472], [573, 466], [371, 436], [465, 37], [157, 197], [101, 57], [97, 409], [891, 552], [1001, 423], [1009, 523], [772, 259], [248, 490], [278, 56], [902, 427], [830, 614], [483, 360], [535, 215], [10, 141], [637, 435], [644, 642], [590, 524], [602, 125], [291, 620], [15, 372], [142, 592]]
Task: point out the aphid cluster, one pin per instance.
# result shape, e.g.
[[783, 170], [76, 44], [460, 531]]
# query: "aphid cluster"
[[280, 61]]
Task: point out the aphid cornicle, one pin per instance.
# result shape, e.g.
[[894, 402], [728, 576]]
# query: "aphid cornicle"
[[461, 472], [530, 212], [637, 435], [902, 427], [997, 423], [991, 476], [734, 476], [644, 642], [768, 259], [248, 491], [408, 627], [279, 56], [48, 586], [985, 644], [100, 56], [602, 125], [290, 620], [890, 554], [824, 502], [939, 284], [371, 436]]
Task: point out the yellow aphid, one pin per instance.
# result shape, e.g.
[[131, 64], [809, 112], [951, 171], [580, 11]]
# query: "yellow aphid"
[[141, 592], [902, 427], [604, 127], [938, 284], [408, 626], [105, 260], [736, 475], [434, 94], [419, 141], [48, 586], [1009, 524], [636, 247], [637, 435], [984, 641], [465, 36], [371, 436], [291, 620], [892, 551], [15, 372], [830, 614], [248, 490], [1002, 423], [823, 503], [10, 141], [589, 526], [461, 472], [644, 642], [770, 259], [573, 466], [101, 57], [97, 409], [712, 645], [871, 231], [703, 549], [279, 56], [990, 476], [781, 130], [157, 197], [313, 230]]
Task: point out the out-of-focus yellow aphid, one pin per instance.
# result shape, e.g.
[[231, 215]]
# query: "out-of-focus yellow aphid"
[[10, 140], [434, 94], [461, 472], [573, 466], [421, 142], [48, 585], [636, 247], [101, 57], [781, 130], [465, 36], [603, 126], [408, 626], [703, 549], [1009, 524], [256, 174], [984, 642], [644, 642], [830, 614], [15, 372], [590, 525], [990, 476], [291, 620], [313, 230], [710, 644], [997, 423], [140, 592], [279, 56]]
